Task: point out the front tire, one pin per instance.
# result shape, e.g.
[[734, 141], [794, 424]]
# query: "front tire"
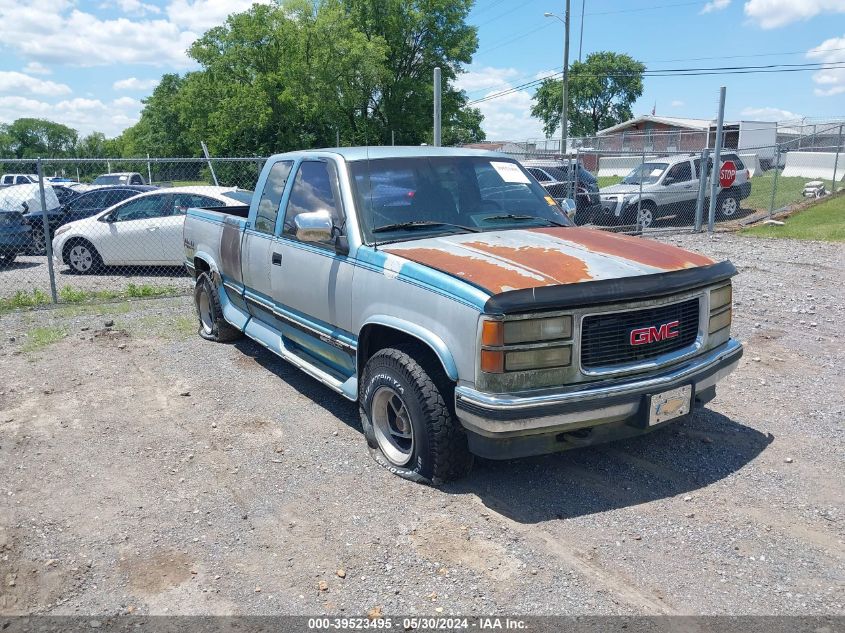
[[212, 326], [407, 419], [728, 206], [82, 257]]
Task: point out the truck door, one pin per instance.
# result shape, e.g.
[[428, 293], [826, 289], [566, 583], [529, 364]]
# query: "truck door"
[[313, 284], [261, 241]]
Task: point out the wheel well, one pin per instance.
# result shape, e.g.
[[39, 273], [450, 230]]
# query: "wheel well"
[[69, 244], [201, 266], [376, 337]]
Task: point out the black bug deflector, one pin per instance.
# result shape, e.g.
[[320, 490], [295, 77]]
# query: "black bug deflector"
[[604, 291]]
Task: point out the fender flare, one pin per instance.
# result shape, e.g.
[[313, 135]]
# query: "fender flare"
[[208, 259], [437, 345]]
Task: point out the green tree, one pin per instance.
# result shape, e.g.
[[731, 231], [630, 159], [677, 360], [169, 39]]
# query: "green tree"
[[160, 132], [31, 138], [602, 90]]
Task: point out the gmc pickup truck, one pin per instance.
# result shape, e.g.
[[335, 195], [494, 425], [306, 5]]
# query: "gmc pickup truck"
[[447, 293]]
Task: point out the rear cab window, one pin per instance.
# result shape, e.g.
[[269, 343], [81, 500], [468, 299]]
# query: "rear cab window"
[[271, 197]]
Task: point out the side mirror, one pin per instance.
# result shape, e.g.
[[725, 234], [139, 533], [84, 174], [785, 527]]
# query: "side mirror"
[[108, 218], [668, 180], [315, 226]]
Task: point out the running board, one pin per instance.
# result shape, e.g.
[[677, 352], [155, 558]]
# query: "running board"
[[271, 339]]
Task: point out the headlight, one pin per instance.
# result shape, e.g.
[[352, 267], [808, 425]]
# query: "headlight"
[[498, 337], [535, 330], [62, 229], [721, 312], [542, 358]]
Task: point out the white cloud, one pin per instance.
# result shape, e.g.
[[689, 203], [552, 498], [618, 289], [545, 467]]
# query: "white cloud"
[[715, 5], [133, 83], [85, 115], [507, 117], [136, 7], [34, 68], [12, 82], [832, 80], [677, 103], [771, 14], [55, 32], [201, 15], [770, 114]]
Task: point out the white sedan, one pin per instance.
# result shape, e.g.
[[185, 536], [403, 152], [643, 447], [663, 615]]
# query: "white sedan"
[[145, 230]]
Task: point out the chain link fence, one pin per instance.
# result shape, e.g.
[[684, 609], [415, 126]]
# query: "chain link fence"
[[102, 229]]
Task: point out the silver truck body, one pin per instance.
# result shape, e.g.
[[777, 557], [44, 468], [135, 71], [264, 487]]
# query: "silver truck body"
[[328, 309]]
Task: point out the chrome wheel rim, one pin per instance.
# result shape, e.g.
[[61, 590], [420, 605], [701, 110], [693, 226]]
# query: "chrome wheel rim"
[[204, 309], [392, 425], [646, 218], [81, 258], [729, 206]]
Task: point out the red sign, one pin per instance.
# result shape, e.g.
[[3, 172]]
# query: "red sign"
[[727, 174], [644, 335]]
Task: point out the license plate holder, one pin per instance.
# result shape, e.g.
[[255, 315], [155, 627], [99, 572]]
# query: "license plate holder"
[[668, 405]]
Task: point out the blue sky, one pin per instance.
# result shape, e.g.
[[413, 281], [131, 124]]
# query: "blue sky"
[[88, 63]]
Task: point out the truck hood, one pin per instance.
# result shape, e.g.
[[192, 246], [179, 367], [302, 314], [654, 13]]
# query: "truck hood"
[[622, 188], [519, 259]]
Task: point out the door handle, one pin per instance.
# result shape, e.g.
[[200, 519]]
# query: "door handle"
[[153, 228], [277, 259]]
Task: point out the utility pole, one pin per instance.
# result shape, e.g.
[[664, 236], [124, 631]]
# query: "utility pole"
[[564, 120], [581, 38], [437, 121]]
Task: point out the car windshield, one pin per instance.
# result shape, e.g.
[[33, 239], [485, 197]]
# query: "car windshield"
[[411, 198], [647, 174], [111, 180]]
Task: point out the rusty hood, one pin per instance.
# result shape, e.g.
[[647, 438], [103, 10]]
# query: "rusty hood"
[[520, 259]]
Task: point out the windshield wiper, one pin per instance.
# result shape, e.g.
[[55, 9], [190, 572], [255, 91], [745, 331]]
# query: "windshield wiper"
[[513, 216], [421, 224]]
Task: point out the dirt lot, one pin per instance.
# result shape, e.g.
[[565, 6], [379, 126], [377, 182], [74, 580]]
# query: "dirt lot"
[[145, 470]]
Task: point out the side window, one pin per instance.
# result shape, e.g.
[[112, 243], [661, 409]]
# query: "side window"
[[142, 209], [697, 163], [271, 197], [314, 189], [539, 175], [183, 202], [136, 180], [682, 172]]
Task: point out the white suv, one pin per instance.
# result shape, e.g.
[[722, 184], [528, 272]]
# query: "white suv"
[[669, 186]]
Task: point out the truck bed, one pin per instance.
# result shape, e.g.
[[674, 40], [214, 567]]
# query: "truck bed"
[[241, 212]]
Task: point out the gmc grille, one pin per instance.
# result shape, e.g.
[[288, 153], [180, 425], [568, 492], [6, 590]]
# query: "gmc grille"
[[606, 338]]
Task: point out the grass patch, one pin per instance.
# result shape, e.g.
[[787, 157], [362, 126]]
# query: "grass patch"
[[23, 299], [180, 326], [608, 181], [70, 295], [40, 337], [788, 191], [823, 221]]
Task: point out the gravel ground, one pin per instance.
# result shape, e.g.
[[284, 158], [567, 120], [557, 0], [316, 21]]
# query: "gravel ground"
[[28, 272], [145, 470]]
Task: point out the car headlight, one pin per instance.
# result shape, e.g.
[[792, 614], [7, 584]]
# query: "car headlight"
[[62, 229], [522, 344], [721, 310]]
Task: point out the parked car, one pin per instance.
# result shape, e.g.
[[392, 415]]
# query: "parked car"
[[669, 186], [75, 205], [120, 178], [7, 180], [472, 317], [15, 231], [559, 178], [145, 229]]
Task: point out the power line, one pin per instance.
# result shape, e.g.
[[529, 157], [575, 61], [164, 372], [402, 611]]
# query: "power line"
[[680, 72]]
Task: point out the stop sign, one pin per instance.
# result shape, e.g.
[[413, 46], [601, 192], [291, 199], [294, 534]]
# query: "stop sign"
[[727, 174]]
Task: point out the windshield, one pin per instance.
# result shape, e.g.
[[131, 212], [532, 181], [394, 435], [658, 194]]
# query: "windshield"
[[648, 173], [411, 198], [111, 180]]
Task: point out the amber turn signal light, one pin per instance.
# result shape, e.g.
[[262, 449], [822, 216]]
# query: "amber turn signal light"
[[492, 362], [492, 333]]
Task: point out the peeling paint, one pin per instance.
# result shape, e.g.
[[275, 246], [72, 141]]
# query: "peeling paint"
[[552, 263], [643, 251]]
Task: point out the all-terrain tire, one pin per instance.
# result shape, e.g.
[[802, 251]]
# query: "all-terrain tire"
[[439, 451], [212, 326]]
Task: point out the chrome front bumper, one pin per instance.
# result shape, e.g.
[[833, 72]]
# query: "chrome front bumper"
[[498, 417]]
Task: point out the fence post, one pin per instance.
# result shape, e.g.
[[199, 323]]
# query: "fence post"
[[574, 180], [717, 162], [45, 224], [836, 161], [775, 182], [639, 227], [149, 171], [702, 190]]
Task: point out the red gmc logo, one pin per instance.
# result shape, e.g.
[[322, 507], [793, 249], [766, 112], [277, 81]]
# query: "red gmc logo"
[[651, 334]]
